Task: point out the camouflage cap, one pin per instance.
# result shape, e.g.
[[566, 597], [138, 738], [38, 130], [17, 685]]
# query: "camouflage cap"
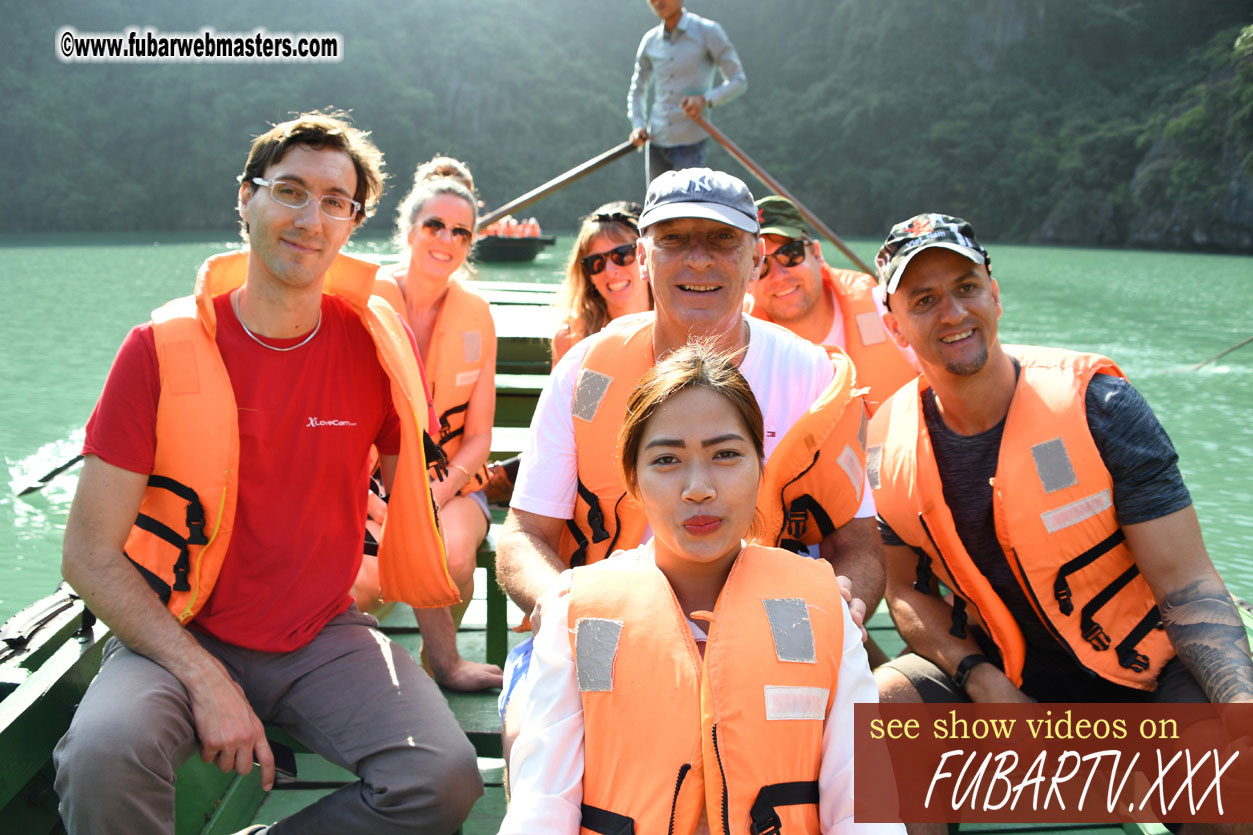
[[912, 236], [779, 216]]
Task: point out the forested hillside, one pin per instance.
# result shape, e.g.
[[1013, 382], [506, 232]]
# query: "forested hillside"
[[1112, 122]]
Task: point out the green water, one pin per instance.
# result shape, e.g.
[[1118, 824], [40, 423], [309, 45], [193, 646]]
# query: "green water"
[[67, 301]]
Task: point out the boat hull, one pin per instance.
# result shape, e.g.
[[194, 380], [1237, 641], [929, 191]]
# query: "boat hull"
[[495, 248]]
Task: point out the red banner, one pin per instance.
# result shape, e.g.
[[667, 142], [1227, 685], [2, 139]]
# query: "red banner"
[[1060, 763]]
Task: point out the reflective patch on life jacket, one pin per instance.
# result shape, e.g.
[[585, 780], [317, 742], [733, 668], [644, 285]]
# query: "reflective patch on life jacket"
[[874, 460], [1052, 465], [789, 625], [595, 648], [852, 468], [1076, 511], [588, 393], [871, 328], [471, 346], [465, 378], [796, 702]]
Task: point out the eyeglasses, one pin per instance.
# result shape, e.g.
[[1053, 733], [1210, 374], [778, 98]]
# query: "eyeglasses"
[[788, 255], [295, 196], [433, 226], [620, 255]]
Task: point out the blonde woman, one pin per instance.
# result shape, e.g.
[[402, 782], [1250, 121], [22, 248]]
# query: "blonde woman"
[[456, 340], [602, 279]]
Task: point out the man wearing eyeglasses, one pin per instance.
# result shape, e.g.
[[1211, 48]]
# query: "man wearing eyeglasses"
[[699, 249], [679, 57], [838, 308], [217, 526]]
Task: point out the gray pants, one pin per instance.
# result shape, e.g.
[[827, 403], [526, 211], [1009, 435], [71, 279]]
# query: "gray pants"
[[662, 158], [351, 695]]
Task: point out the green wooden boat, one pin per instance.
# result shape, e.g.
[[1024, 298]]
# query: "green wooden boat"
[[50, 651]]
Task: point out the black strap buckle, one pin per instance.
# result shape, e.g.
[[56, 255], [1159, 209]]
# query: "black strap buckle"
[[796, 521], [765, 820], [1128, 656], [1091, 630], [1061, 588], [595, 514], [768, 824]]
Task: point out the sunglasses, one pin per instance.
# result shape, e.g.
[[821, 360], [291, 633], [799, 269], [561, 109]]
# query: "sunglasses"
[[788, 255], [618, 217], [621, 255], [434, 226]]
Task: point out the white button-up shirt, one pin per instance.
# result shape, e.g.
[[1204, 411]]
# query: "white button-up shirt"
[[682, 63]]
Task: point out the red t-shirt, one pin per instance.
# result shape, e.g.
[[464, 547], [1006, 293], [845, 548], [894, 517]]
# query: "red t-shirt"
[[307, 418]]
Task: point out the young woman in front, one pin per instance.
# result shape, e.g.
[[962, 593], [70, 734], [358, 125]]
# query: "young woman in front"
[[695, 684]]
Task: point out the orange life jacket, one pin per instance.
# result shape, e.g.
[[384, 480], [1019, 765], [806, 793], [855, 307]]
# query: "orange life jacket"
[[737, 734], [1055, 520], [463, 344], [195, 473], [881, 365], [796, 487]]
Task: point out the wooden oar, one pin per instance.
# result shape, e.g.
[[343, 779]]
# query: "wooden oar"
[[761, 174], [1222, 353], [51, 475], [576, 173]]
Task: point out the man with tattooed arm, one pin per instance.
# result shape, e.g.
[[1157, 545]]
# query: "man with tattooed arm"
[[1039, 541], [1036, 485]]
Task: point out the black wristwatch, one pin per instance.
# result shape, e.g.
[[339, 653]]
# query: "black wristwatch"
[[962, 674]]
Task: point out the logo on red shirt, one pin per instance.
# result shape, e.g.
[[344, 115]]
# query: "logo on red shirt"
[[316, 422]]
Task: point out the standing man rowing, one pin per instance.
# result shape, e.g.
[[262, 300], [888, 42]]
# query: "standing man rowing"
[[679, 57]]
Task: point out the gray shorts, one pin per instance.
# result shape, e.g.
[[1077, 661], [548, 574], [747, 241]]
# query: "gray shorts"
[[480, 499]]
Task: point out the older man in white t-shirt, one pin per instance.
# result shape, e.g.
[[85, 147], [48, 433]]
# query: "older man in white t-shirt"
[[699, 248]]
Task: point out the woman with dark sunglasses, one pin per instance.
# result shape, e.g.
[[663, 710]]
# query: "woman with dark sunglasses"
[[602, 278], [456, 340]]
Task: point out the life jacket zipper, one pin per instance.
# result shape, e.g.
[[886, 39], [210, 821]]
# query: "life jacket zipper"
[[674, 804], [959, 594], [726, 821]]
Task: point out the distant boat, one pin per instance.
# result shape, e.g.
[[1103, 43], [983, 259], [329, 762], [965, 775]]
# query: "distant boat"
[[494, 248], [510, 239]]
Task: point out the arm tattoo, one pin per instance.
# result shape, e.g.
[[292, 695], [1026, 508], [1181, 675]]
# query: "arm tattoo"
[[1208, 634]]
